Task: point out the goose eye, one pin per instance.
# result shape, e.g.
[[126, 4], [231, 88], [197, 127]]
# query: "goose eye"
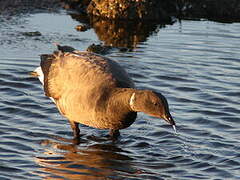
[[155, 104]]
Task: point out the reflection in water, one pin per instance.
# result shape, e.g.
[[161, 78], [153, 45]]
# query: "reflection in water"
[[121, 33], [94, 161]]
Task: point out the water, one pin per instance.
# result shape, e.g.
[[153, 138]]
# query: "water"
[[195, 64]]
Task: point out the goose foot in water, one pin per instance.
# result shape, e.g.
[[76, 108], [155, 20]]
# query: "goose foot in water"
[[76, 140], [75, 128]]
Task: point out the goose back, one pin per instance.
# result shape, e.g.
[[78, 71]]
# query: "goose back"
[[81, 83]]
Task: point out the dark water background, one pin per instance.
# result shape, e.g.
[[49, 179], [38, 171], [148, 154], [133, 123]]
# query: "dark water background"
[[195, 64]]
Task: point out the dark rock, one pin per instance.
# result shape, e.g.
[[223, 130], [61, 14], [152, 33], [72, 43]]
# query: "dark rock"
[[13, 7], [31, 34], [79, 5], [82, 27], [161, 10], [128, 9], [218, 10], [64, 48], [99, 48]]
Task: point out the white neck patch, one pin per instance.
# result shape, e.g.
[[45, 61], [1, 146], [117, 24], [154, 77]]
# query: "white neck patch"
[[40, 74], [132, 99]]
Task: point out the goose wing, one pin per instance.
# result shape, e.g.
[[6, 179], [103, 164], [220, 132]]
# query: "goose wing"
[[82, 71]]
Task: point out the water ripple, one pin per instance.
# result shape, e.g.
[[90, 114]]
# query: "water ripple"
[[195, 64]]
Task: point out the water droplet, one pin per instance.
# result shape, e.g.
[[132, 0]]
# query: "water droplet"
[[175, 130]]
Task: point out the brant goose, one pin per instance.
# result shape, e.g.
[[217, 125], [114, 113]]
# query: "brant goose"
[[96, 91]]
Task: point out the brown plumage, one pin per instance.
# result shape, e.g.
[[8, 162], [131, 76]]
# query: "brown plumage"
[[96, 91]]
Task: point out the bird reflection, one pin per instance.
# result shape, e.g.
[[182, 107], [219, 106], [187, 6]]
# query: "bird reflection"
[[115, 33], [88, 160]]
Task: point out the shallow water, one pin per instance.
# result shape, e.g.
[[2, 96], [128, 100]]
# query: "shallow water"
[[195, 64]]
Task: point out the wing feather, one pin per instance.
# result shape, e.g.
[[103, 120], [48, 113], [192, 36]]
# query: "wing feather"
[[83, 71]]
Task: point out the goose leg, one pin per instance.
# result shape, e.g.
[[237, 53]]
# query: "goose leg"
[[75, 128], [114, 133]]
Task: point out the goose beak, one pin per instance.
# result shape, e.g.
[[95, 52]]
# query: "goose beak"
[[174, 128], [170, 120]]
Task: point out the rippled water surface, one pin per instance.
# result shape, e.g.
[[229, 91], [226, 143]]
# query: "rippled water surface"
[[195, 64]]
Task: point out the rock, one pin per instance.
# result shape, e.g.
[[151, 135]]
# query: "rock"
[[98, 48], [64, 48], [79, 5], [218, 10], [82, 28], [13, 7], [31, 34], [161, 10], [128, 9]]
